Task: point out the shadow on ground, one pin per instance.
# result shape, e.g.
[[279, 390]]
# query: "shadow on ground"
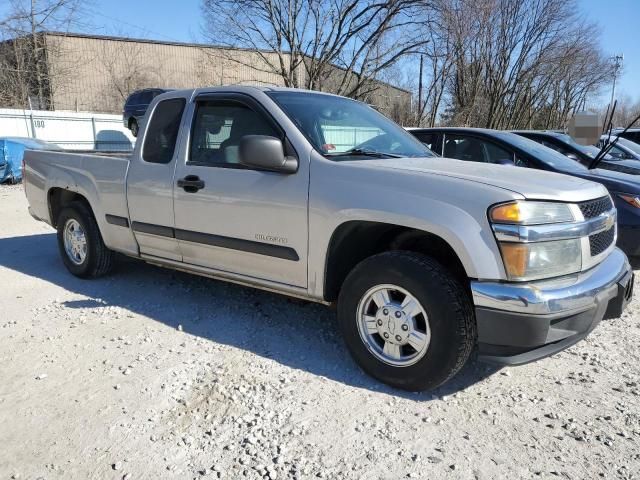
[[298, 334]]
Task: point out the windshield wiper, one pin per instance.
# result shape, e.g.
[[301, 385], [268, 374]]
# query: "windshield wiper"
[[364, 152], [610, 144]]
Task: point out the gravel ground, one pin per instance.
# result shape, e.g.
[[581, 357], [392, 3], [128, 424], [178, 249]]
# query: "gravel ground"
[[150, 373]]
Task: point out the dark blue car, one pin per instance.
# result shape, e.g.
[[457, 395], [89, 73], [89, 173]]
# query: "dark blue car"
[[136, 106], [494, 146], [585, 154]]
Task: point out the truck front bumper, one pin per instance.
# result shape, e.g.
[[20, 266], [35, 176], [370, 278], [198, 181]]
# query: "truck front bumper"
[[522, 322]]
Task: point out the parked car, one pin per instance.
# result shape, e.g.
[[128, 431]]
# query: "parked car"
[[494, 146], [321, 197], [136, 106], [623, 149], [632, 134], [584, 154], [12, 152]]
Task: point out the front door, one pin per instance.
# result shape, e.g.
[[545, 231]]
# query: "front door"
[[233, 218]]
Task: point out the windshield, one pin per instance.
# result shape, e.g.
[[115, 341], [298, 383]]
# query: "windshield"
[[343, 129], [544, 154], [590, 151]]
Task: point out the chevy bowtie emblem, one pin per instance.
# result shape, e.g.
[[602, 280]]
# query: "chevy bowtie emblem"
[[611, 220]]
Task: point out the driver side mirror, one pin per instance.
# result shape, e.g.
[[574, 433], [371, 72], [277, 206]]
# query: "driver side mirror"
[[265, 153]]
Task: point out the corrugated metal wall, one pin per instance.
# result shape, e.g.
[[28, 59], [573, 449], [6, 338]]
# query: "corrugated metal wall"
[[97, 74]]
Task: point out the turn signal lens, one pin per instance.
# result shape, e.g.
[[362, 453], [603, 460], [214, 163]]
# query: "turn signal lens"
[[506, 213], [632, 200], [515, 256]]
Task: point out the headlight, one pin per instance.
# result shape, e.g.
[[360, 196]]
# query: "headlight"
[[531, 261], [533, 239], [531, 213], [632, 200]]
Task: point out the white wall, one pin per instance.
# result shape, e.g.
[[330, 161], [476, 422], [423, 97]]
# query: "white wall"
[[70, 130]]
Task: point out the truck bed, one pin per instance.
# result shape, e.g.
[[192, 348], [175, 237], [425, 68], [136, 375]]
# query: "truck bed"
[[98, 176]]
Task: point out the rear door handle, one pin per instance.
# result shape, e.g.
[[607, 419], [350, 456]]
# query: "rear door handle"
[[191, 183]]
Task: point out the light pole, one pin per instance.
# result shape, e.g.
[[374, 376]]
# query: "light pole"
[[617, 64]]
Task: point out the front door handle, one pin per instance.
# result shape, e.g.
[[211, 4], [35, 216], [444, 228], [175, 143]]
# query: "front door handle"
[[191, 183]]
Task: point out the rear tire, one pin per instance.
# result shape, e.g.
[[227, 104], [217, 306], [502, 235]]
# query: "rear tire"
[[427, 341], [133, 126], [80, 243]]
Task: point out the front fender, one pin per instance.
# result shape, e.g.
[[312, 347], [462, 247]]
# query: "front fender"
[[453, 209]]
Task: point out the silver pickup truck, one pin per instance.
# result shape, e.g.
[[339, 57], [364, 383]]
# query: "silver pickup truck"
[[320, 197]]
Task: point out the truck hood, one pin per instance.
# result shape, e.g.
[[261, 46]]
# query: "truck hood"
[[531, 184]]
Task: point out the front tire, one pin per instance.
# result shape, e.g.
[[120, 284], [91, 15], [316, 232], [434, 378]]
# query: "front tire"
[[80, 242], [406, 320]]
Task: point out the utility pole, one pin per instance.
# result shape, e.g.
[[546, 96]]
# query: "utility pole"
[[617, 65], [418, 120]]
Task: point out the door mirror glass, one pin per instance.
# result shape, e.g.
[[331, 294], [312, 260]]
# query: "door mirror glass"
[[267, 153]]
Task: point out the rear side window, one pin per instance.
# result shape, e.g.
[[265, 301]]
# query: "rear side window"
[[463, 148], [474, 150], [162, 131], [496, 154]]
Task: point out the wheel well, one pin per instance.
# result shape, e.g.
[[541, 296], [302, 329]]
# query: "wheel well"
[[354, 241], [59, 198]]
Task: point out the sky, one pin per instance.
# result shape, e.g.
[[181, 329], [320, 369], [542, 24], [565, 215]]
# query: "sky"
[[619, 21]]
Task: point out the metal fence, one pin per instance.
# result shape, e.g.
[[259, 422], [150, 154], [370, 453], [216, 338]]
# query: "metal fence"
[[69, 130]]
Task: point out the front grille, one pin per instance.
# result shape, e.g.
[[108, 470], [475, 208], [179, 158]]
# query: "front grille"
[[599, 242], [593, 208]]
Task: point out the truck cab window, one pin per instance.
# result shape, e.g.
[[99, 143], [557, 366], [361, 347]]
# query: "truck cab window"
[[218, 128], [162, 133]]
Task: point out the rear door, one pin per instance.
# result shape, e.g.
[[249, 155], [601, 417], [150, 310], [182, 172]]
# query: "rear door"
[[234, 218], [150, 181]]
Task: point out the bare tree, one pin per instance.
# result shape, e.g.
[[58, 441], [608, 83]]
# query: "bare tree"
[[626, 111], [332, 45], [25, 75], [511, 63]]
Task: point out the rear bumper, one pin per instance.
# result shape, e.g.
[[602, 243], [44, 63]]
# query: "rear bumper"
[[522, 322]]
